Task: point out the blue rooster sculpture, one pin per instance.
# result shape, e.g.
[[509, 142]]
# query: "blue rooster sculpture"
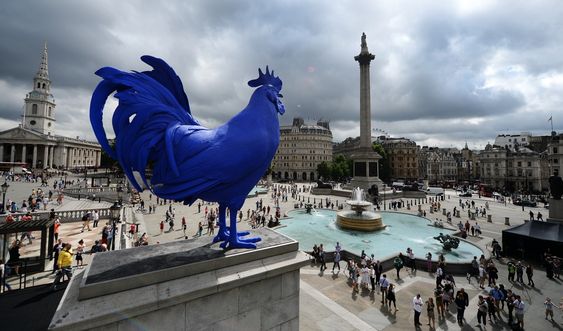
[[153, 125]]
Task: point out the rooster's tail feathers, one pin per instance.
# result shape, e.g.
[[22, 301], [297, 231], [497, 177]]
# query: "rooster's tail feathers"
[[150, 107]]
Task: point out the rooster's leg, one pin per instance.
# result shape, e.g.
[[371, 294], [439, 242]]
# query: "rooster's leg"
[[223, 233], [234, 240]]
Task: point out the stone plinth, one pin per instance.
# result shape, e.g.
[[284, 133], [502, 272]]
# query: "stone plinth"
[[187, 285], [555, 210]]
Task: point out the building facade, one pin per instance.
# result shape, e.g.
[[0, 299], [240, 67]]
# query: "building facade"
[[437, 165], [403, 158], [302, 148], [518, 170], [34, 141]]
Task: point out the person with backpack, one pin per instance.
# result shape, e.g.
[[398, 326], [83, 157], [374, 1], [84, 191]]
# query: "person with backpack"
[[398, 264], [511, 271]]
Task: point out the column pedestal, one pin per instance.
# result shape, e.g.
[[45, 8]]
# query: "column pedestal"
[[193, 284]]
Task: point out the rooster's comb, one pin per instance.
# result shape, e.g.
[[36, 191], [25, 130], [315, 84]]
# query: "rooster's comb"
[[266, 79]]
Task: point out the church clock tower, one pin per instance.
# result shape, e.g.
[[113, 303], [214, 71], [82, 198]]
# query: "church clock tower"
[[39, 114]]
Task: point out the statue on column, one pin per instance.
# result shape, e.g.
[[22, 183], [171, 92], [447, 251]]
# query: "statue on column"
[[556, 185], [364, 43]]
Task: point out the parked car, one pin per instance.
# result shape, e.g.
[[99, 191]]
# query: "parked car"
[[466, 195], [525, 203]]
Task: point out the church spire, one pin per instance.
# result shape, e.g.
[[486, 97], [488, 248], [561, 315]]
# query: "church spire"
[[43, 72]]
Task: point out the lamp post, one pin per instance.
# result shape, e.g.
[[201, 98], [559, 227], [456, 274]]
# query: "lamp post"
[[4, 190], [120, 195], [115, 210]]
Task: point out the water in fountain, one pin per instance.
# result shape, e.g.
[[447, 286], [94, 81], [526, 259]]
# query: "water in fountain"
[[357, 194], [359, 218]]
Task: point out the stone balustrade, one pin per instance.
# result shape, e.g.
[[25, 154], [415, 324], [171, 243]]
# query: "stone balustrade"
[[65, 215]]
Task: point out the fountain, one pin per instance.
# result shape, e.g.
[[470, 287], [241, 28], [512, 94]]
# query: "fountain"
[[359, 218]]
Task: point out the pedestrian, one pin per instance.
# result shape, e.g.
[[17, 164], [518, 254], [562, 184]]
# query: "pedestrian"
[[86, 222], [417, 308], [438, 297], [56, 251], [461, 301], [57, 226], [391, 296], [383, 286], [184, 225], [79, 252], [482, 276], [429, 262], [322, 258], [511, 270], [531, 215], [378, 267], [96, 218], [430, 310], [398, 264], [510, 305], [549, 308], [372, 276], [4, 274], [482, 309], [336, 261], [530, 274], [520, 272], [519, 311], [64, 263], [161, 226]]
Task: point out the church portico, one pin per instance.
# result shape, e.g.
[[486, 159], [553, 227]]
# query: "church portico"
[[34, 141]]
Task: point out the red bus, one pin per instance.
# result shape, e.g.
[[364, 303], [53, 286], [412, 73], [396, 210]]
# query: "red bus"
[[485, 190]]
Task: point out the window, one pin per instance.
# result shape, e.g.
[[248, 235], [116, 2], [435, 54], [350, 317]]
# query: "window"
[[519, 163], [32, 122], [34, 109], [523, 139], [38, 85], [50, 112], [529, 164], [43, 85], [554, 150]]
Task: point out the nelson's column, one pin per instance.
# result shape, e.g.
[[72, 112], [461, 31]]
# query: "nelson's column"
[[366, 165]]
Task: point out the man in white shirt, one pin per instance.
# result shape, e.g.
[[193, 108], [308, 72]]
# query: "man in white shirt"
[[417, 307], [519, 311]]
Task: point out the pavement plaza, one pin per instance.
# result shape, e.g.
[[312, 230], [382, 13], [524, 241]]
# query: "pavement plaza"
[[326, 299]]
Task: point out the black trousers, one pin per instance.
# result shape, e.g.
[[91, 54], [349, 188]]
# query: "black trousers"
[[482, 315], [416, 318]]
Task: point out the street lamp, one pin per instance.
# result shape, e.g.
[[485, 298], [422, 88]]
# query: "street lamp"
[[4, 190], [115, 212], [120, 195]]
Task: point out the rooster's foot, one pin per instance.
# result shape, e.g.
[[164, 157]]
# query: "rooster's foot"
[[221, 236], [239, 243]]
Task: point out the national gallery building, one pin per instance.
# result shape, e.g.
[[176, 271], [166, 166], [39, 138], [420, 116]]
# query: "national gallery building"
[[35, 143]]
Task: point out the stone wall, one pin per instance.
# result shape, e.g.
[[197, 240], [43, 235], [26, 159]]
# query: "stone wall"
[[190, 286]]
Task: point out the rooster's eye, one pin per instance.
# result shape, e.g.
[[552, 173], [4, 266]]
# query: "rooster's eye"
[[280, 95]]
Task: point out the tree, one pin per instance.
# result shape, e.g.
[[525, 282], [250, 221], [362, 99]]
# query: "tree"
[[324, 170]]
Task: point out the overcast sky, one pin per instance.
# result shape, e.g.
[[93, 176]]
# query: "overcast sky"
[[445, 72]]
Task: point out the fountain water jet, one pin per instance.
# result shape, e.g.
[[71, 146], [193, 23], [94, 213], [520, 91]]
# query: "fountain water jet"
[[359, 218]]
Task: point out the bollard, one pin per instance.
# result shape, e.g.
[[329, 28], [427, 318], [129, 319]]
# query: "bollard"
[[444, 211], [490, 218], [507, 221], [457, 214]]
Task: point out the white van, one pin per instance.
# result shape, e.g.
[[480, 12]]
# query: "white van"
[[435, 191]]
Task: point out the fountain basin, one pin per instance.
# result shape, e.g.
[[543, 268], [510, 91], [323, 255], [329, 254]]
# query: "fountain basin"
[[366, 221], [402, 231]]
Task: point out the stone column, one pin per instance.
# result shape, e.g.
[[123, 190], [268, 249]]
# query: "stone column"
[[51, 155], [34, 162], [13, 153], [24, 150], [364, 59], [1, 152], [45, 156]]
